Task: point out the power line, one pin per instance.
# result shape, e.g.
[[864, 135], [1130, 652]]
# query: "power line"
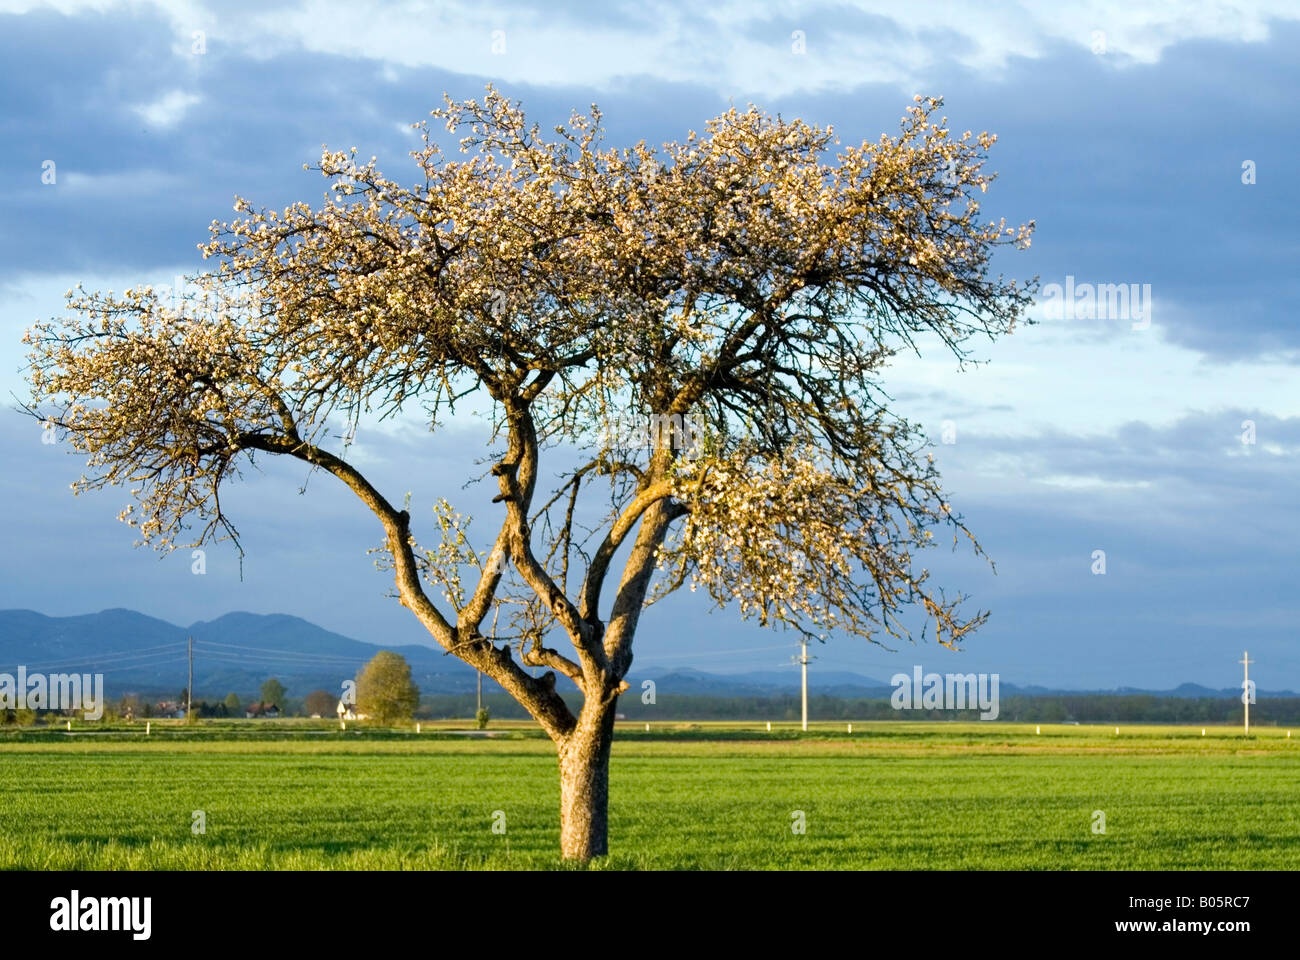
[[275, 662], [226, 658], [129, 661], [242, 646], [111, 655], [297, 654], [711, 653]]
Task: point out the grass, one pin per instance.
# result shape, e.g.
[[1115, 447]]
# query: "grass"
[[684, 796]]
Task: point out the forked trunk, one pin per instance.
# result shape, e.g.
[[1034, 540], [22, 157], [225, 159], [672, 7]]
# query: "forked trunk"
[[584, 784]]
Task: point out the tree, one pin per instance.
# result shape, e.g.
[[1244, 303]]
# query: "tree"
[[320, 702], [385, 692], [233, 706], [693, 338], [273, 692]]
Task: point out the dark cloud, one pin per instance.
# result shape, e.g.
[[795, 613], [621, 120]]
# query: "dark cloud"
[[1132, 172]]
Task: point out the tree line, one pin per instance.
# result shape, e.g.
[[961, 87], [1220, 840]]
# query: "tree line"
[[382, 691], [388, 697], [1060, 708]]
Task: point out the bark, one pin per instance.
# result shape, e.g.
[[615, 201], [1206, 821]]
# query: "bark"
[[584, 782]]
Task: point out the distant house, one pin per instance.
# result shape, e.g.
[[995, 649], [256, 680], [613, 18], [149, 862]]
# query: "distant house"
[[348, 711], [168, 708], [267, 710]]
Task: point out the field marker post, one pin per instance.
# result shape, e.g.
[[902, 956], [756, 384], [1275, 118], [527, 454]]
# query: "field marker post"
[[647, 728], [850, 728], [1202, 731], [69, 724], [417, 728], [1245, 662], [1117, 731], [803, 660], [1038, 729], [769, 727], [147, 725]]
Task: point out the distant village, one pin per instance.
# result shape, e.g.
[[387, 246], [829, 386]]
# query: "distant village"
[[316, 705]]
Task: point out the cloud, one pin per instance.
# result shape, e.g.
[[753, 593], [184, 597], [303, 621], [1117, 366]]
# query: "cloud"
[[731, 48], [120, 185], [1233, 454], [167, 110], [1133, 175], [746, 48]]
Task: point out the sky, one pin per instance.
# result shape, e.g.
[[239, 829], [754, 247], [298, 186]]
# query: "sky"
[[1154, 145]]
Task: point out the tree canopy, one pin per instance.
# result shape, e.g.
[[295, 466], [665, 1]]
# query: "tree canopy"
[[751, 281], [385, 692], [273, 692], [320, 702]]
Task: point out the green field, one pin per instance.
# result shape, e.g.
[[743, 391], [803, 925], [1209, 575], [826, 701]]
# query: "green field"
[[888, 796]]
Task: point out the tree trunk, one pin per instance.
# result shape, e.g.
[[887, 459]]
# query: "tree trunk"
[[584, 783]]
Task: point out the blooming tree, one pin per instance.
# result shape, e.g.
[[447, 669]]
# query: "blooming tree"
[[750, 283]]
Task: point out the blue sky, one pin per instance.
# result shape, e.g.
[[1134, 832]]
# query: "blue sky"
[[1123, 127]]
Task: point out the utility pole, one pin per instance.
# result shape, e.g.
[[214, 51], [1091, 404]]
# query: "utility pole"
[[803, 662], [189, 689], [479, 708], [1246, 692]]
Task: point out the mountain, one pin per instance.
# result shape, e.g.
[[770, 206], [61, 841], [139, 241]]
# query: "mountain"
[[841, 683], [762, 683], [239, 651]]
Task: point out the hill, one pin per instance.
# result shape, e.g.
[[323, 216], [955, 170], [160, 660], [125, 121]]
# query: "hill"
[[238, 651]]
